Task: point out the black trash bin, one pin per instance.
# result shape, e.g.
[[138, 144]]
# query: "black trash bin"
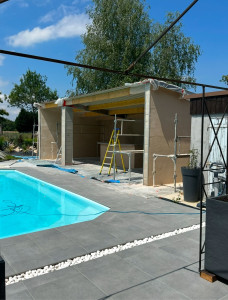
[[216, 239], [191, 184]]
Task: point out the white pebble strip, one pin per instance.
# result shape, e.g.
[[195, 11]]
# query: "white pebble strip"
[[94, 255]]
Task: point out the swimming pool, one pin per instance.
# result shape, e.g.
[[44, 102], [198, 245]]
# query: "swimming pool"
[[28, 205]]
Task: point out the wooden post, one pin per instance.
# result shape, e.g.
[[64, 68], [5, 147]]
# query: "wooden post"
[[208, 276]]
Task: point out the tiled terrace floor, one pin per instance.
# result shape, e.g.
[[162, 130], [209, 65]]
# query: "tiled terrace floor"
[[165, 269]]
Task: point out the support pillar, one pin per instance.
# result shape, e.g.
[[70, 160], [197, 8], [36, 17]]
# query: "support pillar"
[[67, 135], [147, 125], [39, 134]]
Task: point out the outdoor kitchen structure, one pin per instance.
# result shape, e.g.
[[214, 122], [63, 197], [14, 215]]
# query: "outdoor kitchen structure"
[[81, 126]]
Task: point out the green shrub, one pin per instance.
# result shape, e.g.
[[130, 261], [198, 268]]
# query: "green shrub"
[[9, 148], [16, 139], [3, 143], [27, 142], [20, 140], [8, 157]]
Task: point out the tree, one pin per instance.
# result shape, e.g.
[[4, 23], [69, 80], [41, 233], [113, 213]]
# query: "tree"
[[32, 88], [24, 121], [7, 125], [3, 112], [175, 55], [224, 79], [119, 32]]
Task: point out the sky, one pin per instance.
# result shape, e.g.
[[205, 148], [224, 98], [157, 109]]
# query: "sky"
[[52, 28]]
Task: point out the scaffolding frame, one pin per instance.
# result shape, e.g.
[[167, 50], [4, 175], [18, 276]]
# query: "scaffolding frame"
[[174, 156], [127, 152], [35, 133]]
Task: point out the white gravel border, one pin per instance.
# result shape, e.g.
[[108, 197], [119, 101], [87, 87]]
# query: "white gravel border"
[[94, 255]]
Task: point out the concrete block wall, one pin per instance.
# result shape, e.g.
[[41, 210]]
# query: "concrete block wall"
[[163, 106], [49, 132], [126, 142], [87, 133]]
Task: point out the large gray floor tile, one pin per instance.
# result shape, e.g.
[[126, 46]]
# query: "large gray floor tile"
[[48, 240], [24, 295], [93, 239], [14, 240], [67, 288], [59, 254], [193, 286], [21, 266], [17, 291], [25, 250], [153, 289], [50, 277], [112, 274], [8, 269], [154, 261], [224, 298], [184, 248]]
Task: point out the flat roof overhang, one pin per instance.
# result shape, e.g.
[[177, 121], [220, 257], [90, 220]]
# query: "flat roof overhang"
[[125, 100], [117, 101]]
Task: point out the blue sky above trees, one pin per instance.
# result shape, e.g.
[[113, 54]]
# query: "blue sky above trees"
[[52, 28]]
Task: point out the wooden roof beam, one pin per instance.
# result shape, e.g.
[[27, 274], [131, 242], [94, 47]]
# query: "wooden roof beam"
[[86, 108], [129, 111], [117, 104]]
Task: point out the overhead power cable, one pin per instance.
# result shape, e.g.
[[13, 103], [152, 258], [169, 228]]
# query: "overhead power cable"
[[146, 76]]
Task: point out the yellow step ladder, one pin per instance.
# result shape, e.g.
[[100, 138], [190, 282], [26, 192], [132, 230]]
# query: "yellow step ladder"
[[112, 143]]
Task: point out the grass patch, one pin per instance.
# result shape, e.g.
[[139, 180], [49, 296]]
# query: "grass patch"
[[8, 157]]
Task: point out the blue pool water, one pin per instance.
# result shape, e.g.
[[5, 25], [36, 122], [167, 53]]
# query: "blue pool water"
[[28, 205]]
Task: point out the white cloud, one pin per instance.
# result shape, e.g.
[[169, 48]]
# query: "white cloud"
[[3, 82], [13, 111], [60, 12], [63, 10], [80, 1], [49, 17], [2, 57], [68, 27]]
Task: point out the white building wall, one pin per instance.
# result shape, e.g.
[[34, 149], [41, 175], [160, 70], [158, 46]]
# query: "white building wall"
[[215, 155], [196, 135]]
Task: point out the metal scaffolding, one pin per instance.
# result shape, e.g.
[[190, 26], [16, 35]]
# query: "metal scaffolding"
[[174, 156], [35, 140], [205, 112], [127, 152]]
